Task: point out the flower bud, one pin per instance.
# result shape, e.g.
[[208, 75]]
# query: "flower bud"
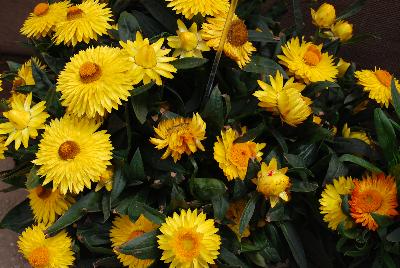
[[324, 17], [342, 30], [342, 67]]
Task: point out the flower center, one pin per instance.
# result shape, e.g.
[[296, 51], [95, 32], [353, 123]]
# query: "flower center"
[[43, 193], [68, 150], [240, 154], [384, 77], [370, 201], [39, 257], [238, 34], [74, 13], [312, 56], [18, 82], [146, 57], [89, 72], [19, 118], [135, 234], [187, 245], [188, 40], [41, 9]]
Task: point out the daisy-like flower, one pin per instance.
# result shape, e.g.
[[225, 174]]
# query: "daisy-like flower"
[[272, 182], [47, 204], [148, 61], [378, 84], [25, 75], [237, 45], [42, 252], [23, 120], [293, 107], [360, 135], [124, 230], [3, 147], [95, 81], [82, 23], [189, 240], [190, 8], [72, 154], [234, 213], [373, 194], [331, 202], [106, 180], [43, 19], [180, 135], [187, 42], [306, 61], [233, 157]]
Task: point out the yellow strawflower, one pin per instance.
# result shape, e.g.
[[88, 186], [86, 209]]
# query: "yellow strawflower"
[[324, 17], [25, 76], [190, 8], [106, 180], [342, 30], [342, 67], [360, 135]]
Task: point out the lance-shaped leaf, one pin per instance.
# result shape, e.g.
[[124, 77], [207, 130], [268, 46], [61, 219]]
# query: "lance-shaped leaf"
[[18, 218], [127, 26], [294, 242], [248, 212], [142, 247], [188, 63], [206, 188]]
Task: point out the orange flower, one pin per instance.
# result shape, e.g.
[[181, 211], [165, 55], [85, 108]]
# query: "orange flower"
[[374, 194]]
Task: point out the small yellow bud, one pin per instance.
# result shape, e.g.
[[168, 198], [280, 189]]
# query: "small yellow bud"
[[342, 67], [324, 17], [342, 30]]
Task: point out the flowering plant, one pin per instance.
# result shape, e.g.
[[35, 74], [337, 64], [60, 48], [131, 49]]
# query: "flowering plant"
[[140, 146]]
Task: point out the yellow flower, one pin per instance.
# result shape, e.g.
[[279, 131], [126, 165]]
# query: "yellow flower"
[[72, 154], [148, 61], [3, 147], [272, 182], [187, 43], [360, 135], [23, 120], [95, 81], [43, 19], [324, 17], [190, 8], [342, 67], [317, 120], [331, 202], [180, 135], [189, 240], [233, 157], [306, 61], [342, 30], [47, 204], [24, 75], [378, 84], [1, 84], [123, 230], [42, 252], [234, 214], [373, 194], [237, 45], [106, 180], [83, 22]]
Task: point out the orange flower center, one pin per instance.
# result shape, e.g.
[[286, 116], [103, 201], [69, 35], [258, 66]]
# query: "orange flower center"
[[187, 245], [240, 153], [135, 234], [68, 150], [41, 9], [238, 34], [384, 77], [370, 201], [42, 192], [39, 257], [89, 72], [312, 56], [74, 13], [146, 57]]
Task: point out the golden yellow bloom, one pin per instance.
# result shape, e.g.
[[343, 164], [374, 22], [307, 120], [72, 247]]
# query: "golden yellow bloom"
[[272, 182], [190, 8], [187, 43], [234, 214], [42, 252], [148, 61], [72, 154], [43, 19], [180, 135], [306, 61], [189, 240], [342, 67], [233, 157], [124, 230], [331, 202], [373, 194], [324, 17], [360, 135], [95, 81], [83, 22], [237, 45], [24, 75], [106, 180], [47, 204], [23, 120], [3, 147], [333, 130], [377, 83], [317, 120], [1, 84], [342, 30]]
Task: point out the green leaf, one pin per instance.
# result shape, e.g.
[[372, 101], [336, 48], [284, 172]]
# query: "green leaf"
[[142, 89], [136, 208], [394, 236], [42, 82], [119, 184], [220, 206], [252, 134], [294, 242], [256, 36], [32, 179], [352, 10], [395, 97], [18, 218], [228, 257], [324, 85], [359, 161], [127, 26], [136, 168], [382, 220], [335, 169], [164, 15], [386, 135], [206, 188], [13, 66], [188, 63], [142, 247], [108, 262], [213, 112], [139, 104], [106, 205], [263, 65], [55, 64], [248, 212], [87, 203], [298, 16], [303, 186]]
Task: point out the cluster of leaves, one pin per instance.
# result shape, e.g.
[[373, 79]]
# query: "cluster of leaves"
[[291, 234]]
